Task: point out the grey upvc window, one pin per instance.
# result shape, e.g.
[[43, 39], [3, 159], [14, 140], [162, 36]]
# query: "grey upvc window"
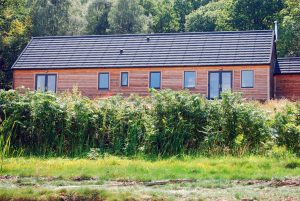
[[124, 79], [103, 81], [247, 79], [45, 82], [189, 79], [155, 80]]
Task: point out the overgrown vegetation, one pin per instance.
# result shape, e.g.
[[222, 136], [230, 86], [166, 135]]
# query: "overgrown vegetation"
[[166, 123]]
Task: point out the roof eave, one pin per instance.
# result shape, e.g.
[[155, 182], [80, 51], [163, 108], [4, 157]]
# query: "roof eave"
[[173, 66], [13, 66]]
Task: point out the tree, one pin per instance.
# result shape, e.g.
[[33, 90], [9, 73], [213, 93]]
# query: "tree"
[[212, 17], [289, 33], [58, 17], [50, 17], [97, 17], [77, 20], [149, 6], [165, 20], [182, 8], [255, 14], [198, 3], [127, 16], [185, 7], [15, 29]]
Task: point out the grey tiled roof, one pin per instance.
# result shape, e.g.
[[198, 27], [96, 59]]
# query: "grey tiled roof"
[[288, 65], [177, 49]]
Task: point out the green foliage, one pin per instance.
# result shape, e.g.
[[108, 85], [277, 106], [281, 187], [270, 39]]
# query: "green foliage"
[[165, 19], [287, 127], [15, 26], [255, 14], [127, 16], [4, 148], [123, 125], [166, 123], [289, 38], [179, 119], [58, 17], [97, 17], [235, 126], [212, 17], [182, 8], [50, 18]]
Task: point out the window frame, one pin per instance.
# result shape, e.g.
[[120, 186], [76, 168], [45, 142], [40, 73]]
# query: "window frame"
[[121, 79], [46, 81], [108, 86], [247, 87], [220, 83], [159, 80], [184, 77]]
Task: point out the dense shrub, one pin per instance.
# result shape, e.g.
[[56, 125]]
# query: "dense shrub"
[[179, 120], [287, 127], [124, 125], [165, 123]]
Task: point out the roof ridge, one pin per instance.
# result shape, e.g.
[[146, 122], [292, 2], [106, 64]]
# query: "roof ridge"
[[154, 34]]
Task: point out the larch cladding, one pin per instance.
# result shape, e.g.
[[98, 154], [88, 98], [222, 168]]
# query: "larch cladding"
[[287, 86], [172, 78]]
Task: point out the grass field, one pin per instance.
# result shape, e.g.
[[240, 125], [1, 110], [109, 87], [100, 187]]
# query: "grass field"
[[114, 178], [117, 168]]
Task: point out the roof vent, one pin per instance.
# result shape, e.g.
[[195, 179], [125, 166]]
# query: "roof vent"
[[121, 51], [148, 39]]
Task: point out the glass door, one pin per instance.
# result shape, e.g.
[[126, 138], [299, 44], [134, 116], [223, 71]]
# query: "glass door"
[[219, 81]]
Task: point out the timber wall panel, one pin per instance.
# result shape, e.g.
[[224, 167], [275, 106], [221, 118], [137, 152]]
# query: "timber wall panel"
[[172, 78], [287, 86]]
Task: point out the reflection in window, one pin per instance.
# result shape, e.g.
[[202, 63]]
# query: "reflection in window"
[[103, 80], [189, 79], [155, 80], [124, 79], [45, 82], [247, 79]]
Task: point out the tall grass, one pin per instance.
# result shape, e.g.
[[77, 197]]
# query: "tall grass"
[[166, 123], [5, 137]]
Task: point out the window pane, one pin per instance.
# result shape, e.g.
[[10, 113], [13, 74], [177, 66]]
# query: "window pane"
[[226, 81], [247, 78], [40, 82], [189, 79], [103, 81], [214, 85], [155, 80], [52, 83], [124, 79]]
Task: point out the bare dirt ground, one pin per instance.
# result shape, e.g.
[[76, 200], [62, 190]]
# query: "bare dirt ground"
[[186, 189]]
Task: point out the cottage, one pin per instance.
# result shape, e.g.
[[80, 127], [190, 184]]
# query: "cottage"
[[287, 78], [206, 63]]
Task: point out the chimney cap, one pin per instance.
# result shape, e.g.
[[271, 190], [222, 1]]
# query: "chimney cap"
[[276, 30]]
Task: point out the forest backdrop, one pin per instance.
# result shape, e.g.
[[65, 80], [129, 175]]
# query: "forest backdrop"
[[22, 19]]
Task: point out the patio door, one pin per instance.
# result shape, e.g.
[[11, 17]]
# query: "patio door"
[[218, 82]]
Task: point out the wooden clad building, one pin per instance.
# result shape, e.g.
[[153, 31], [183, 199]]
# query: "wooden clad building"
[[206, 63], [287, 78]]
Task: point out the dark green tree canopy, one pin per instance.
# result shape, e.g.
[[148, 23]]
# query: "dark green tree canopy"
[[211, 17], [127, 16], [255, 14], [97, 17], [15, 28]]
